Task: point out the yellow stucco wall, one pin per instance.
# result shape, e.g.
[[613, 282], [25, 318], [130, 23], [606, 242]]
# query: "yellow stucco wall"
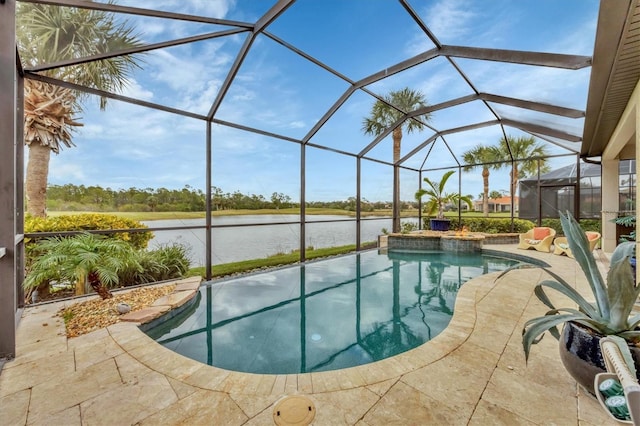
[[625, 137]]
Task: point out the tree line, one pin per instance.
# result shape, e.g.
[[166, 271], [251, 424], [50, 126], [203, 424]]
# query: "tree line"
[[70, 197]]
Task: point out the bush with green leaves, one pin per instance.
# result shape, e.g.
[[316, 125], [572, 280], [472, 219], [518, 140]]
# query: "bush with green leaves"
[[489, 226], [83, 222], [89, 258], [627, 222], [407, 227], [91, 222], [104, 262], [586, 224], [166, 262]]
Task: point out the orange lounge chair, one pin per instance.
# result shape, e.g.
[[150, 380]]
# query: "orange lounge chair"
[[561, 246], [539, 238]]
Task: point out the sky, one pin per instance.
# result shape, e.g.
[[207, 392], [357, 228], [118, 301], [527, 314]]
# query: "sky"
[[280, 92]]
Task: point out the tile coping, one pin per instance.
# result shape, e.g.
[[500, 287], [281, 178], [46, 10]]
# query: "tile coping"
[[131, 337]]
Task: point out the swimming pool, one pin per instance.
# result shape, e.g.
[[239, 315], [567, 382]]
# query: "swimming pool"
[[326, 315]]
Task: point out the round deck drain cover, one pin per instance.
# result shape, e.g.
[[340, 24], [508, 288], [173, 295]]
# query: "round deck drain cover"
[[294, 410]]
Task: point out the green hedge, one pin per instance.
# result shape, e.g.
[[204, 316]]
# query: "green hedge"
[[90, 222], [498, 226], [490, 226], [585, 224]]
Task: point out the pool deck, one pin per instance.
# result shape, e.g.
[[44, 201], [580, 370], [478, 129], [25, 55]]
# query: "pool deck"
[[473, 373]]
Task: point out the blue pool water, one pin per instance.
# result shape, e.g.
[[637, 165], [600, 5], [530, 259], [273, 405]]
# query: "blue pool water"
[[326, 315]]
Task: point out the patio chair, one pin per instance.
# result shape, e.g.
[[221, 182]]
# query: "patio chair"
[[561, 246], [539, 238]]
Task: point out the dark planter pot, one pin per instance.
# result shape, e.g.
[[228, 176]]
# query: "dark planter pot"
[[439, 224], [581, 356]]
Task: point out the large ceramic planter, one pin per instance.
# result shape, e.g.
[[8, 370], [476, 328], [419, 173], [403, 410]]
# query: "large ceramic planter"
[[439, 224], [581, 356]]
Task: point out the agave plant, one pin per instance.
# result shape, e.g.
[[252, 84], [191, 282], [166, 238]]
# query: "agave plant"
[[609, 314]]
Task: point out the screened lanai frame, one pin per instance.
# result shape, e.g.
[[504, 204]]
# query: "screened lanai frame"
[[452, 54]]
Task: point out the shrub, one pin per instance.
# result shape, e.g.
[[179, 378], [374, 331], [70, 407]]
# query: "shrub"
[[167, 262], [585, 224], [88, 222], [94, 258], [81, 222], [490, 226], [407, 227]]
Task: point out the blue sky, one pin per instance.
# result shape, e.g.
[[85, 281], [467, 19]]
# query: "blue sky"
[[280, 92]]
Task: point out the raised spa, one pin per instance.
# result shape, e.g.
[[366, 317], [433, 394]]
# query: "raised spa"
[[326, 315]]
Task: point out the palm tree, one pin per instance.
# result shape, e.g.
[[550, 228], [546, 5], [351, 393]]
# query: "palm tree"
[[85, 257], [438, 199], [47, 34], [383, 115], [528, 153], [485, 157]]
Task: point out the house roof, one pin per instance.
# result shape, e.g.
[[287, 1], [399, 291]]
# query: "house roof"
[[501, 200], [586, 170], [614, 74]]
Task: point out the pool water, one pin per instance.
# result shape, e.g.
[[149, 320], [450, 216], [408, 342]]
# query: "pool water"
[[326, 315]]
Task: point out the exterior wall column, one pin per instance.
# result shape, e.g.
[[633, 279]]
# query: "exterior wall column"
[[8, 275], [610, 201], [635, 101]]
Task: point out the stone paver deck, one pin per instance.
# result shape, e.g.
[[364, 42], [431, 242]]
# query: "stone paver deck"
[[473, 373]]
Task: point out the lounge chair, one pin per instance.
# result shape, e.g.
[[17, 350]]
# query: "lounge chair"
[[539, 238], [561, 246]]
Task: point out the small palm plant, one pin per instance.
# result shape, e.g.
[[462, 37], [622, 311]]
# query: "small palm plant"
[[610, 314], [89, 257], [438, 199]]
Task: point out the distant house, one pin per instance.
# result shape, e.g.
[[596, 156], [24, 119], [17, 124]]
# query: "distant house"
[[496, 205]]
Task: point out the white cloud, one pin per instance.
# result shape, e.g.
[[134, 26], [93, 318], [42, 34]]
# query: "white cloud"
[[243, 94], [210, 8], [580, 41], [450, 19], [66, 172], [297, 124], [192, 76], [133, 89], [92, 130], [149, 31], [202, 101]]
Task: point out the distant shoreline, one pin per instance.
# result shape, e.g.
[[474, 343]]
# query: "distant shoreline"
[[149, 216]]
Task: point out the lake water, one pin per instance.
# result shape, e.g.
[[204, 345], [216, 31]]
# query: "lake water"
[[247, 241]]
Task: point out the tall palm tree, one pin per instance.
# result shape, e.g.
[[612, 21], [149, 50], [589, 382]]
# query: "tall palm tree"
[[382, 116], [485, 157], [46, 34], [528, 152]]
